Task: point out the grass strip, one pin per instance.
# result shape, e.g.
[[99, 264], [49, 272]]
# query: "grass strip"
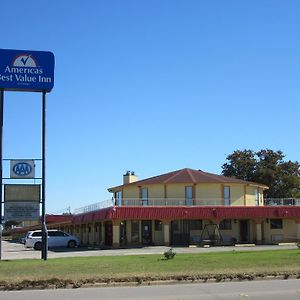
[[72, 270]]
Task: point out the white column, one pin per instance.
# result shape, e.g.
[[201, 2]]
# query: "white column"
[[166, 229], [258, 233], [116, 234], [298, 231]]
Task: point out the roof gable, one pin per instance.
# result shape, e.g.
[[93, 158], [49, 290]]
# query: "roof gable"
[[189, 176]]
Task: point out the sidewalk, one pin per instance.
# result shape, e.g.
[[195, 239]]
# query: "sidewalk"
[[12, 250]]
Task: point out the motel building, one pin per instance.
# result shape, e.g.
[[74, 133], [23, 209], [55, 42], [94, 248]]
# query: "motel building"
[[182, 208]]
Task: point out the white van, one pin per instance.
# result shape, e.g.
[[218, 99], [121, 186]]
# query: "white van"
[[56, 238]]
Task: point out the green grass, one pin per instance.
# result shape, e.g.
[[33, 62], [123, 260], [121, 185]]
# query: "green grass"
[[105, 267]]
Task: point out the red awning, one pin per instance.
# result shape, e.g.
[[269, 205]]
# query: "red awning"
[[196, 212]]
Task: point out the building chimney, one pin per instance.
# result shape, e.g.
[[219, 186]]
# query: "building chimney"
[[129, 177]]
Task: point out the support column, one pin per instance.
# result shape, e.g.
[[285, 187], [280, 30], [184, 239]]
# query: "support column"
[[258, 230], [102, 235], [166, 231], [92, 234], [116, 234], [298, 229]]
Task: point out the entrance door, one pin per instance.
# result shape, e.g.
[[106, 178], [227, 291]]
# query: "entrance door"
[[244, 231], [123, 237], [180, 233], [146, 232], [108, 233]]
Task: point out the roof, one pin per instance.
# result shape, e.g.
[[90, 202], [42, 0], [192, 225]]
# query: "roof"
[[188, 176], [188, 213]]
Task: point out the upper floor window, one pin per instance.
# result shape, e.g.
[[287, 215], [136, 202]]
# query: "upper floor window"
[[144, 196], [256, 197], [189, 195], [118, 197], [227, 200]]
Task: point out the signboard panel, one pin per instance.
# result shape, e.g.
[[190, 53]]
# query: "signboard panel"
[[21, 211], [22, 169], [21, 192], [26, 70]]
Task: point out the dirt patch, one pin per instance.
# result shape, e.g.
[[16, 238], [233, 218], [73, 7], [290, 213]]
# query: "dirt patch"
[[56, 283]]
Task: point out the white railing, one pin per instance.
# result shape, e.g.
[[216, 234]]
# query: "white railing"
[[93, 207], [170, 202], [178, 202], [282, 202]]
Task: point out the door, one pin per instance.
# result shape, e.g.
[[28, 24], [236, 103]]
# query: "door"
[[244, 231], [180, 232], [108, 233], [147, 232], [123, 236]]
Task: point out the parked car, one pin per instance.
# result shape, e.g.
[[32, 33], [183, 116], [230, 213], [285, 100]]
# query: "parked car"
[[56, 238], [22, 240]]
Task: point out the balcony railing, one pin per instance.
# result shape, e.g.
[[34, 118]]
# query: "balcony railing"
[[179, 202], [169, 202], [282, 201], [93, 207]]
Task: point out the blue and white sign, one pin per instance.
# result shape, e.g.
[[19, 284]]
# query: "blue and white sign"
[[25, 70], [22, 169]]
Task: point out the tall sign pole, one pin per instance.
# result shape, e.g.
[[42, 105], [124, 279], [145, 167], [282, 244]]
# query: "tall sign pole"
[[44, 225], [27, 71], [1, 164]]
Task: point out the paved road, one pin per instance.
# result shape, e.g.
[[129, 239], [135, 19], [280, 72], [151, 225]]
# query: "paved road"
[[262, 290], [18, 251]]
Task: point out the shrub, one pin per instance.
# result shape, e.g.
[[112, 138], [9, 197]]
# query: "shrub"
[[169, 254]]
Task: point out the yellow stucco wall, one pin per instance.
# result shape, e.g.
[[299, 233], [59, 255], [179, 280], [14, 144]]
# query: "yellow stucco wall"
[[236, 194], [176, 191], [210, 192], [204, 194], [250, 196], [287, 233], [131, 192]]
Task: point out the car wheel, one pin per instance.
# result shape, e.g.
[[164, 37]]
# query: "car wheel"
[[38, 246], [72, 244]]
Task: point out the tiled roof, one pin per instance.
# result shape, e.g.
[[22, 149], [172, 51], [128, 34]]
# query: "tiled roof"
[[188, 176], [188, 213]]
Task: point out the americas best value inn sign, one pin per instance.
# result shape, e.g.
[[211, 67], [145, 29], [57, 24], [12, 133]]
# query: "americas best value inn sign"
[[22, 70]]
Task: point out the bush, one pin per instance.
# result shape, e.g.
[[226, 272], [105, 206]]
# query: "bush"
[[298, 245], [169, 254]]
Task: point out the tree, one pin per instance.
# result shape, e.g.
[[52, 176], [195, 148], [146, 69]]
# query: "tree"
[[266, 167], [9, 224]]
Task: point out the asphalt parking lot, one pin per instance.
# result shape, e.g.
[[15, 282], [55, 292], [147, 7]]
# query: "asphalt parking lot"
[[12, 250]]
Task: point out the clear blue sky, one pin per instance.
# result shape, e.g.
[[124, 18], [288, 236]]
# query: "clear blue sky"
[[152, 86]]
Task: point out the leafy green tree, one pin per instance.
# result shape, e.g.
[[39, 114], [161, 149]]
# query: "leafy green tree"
[[8, 224], [267, 167]]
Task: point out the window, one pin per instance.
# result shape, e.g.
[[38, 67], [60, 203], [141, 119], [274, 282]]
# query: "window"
[[144, 196], [195, 224], [118, 197], [276, 224], [256, 197], [38, 233], [158, 225], [227, 195], [189, 195], [225, 224], [135, 231]]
